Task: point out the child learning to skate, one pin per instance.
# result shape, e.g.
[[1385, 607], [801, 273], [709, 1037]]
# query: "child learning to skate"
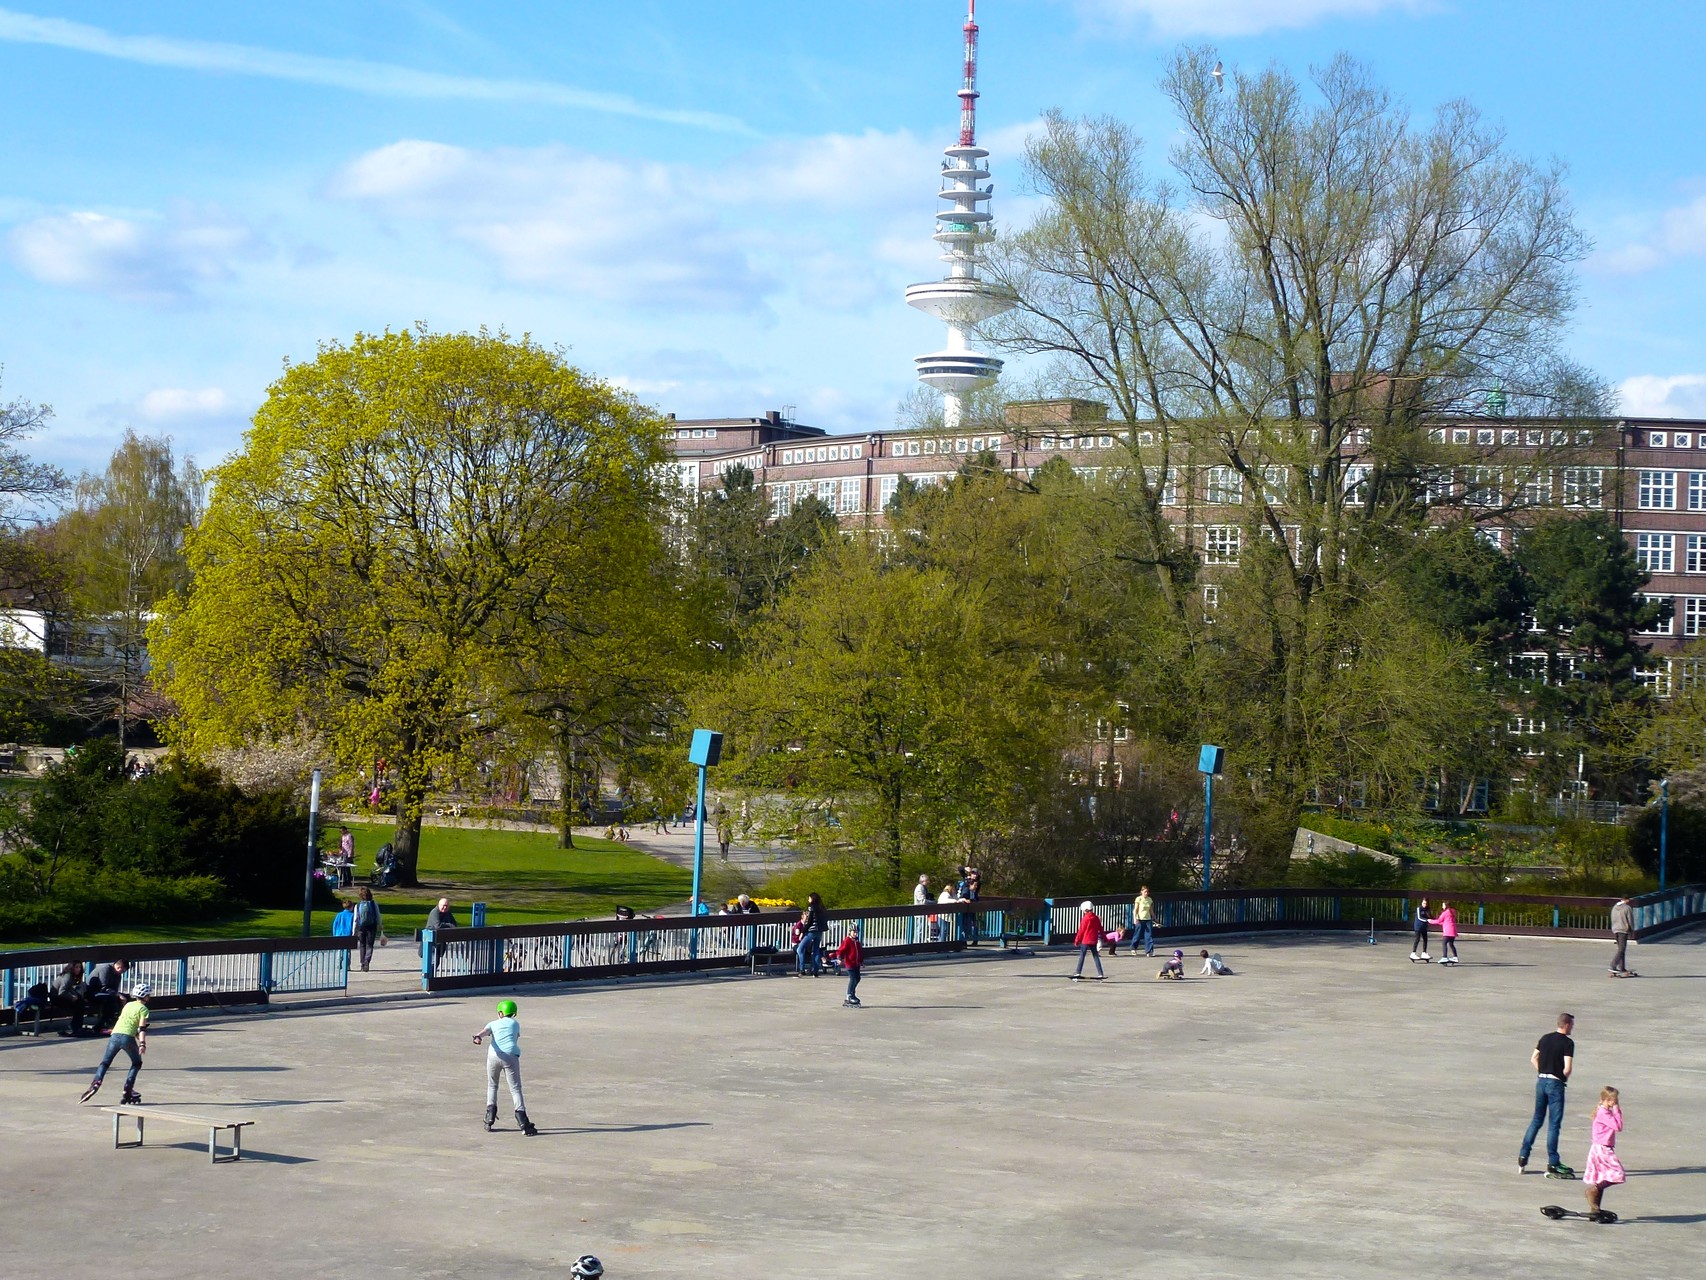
[[1419, 928], [851, 953], [1603, 1169], [1447, 922], [1174, 969], [130, 1036], [503, 1057], [1212, 965]]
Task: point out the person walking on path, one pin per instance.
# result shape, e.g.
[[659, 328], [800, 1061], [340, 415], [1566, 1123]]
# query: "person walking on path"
[[1088, 939], [503, 1057], [367, 924], [813, 922], [1603, 1168], [725, 831], [1554, 1057], [130, 1036], [1447, 922], [1622, 925], [851, 953], [1143, 922], [1419, 942]]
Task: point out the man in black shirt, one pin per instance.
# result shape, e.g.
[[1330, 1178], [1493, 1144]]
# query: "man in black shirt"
[[1553, 1058]]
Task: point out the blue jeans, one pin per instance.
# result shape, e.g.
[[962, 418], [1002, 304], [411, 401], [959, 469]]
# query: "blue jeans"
[[807, 952], [1145, 936], [1548, 1106], [852, 983], [117, 1044], [1088, 949]]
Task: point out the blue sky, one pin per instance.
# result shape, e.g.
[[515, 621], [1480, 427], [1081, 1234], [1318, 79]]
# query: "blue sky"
[[717, 205]]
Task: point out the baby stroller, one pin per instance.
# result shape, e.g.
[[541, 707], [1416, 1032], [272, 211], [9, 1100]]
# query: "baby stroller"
[[384, 875]]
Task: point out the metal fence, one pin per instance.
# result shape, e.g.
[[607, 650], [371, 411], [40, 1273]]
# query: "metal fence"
[[185, 974]]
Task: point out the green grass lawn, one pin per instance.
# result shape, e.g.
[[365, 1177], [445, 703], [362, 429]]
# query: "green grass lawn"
[[521, 876]]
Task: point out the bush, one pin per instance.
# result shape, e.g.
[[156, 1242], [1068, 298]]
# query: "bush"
[[82, 898], [1346, 870], [1367, 834], [1685, 859]]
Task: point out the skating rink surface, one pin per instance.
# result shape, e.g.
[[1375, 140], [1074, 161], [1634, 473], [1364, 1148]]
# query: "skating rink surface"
[[1332, 1110]]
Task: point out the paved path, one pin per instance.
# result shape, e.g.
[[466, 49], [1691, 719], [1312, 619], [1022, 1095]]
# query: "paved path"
[[1331, 1111]]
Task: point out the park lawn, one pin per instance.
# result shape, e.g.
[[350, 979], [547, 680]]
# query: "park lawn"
[[521, 876]]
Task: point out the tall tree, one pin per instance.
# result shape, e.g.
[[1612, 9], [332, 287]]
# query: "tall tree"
[[396, 501], [124, 542], [1282, 326]]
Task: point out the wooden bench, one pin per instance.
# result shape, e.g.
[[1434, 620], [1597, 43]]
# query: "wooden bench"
[[211, 1124], [758, 960]]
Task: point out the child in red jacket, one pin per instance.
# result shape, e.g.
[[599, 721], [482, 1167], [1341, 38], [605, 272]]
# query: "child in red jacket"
[[851, 953], [1087, 940]]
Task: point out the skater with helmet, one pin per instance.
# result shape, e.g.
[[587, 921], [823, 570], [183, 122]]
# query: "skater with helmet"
[[1088, 940], [130, 1036], [503, 1057], [587, 1267]]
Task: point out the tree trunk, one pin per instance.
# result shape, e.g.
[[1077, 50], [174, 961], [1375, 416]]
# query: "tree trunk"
[[565, 792], [406, 844]]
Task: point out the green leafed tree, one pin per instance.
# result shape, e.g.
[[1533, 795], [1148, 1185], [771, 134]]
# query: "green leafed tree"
[[398, 502]]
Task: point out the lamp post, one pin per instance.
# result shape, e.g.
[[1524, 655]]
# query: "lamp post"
[[705, 751], [1209, 762], [1664, 826], [313, 842]]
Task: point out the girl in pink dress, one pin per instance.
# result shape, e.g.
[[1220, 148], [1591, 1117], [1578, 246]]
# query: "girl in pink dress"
[[1447, 922], [1603, 1168]]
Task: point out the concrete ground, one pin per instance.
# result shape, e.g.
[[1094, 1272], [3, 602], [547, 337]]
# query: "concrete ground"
[[1332, 1110]]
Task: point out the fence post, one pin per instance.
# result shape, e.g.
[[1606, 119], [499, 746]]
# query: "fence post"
[[1481, 913], [426, 958], [1048, 920], [1554, 917], [266, 971], [183, 975], [477, 916]]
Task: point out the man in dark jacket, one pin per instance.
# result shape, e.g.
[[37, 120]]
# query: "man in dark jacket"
[[103, 993], [66, 996], [1622, 925]]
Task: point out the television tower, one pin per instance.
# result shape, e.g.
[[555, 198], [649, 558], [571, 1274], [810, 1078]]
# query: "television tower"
[[960, 300]]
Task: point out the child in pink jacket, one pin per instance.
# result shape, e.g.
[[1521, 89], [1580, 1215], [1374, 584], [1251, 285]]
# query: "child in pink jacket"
[[1604, 1169], [1447, 922]]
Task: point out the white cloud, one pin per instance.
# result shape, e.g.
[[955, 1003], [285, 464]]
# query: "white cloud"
[[1680, 395], [356, 75], [1676, 233], [630, 231], [166, 260], [1174, 19], [176, 404]]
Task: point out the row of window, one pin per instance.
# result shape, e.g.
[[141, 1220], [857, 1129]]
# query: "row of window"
[[931, 447], [823, 453], [696, 433], [1687, 611], [1657, 490], [1479, 486], [1676, 439], [1533, 437], [1656, 552], [844, 496]]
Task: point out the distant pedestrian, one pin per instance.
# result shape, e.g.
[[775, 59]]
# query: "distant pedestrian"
[[368, 924], [1143, 922], [744, 905], [725, 831], [939, 932], [851, 953], [1447, 922], [503, 1058], [130, 1037], [346, 858], [343, 924], [967, 891], [1554, 1057], [1622, 925], [921, 896], [1419, 939], [1603, 1168], [1088, 939], [808, 954]]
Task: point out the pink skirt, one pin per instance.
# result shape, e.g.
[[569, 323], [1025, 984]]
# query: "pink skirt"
[[1603, 1166]]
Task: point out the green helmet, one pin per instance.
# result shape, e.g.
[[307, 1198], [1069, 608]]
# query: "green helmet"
[[506, 1008]]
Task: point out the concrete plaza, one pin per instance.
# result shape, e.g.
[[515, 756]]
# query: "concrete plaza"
[[1332, 1110]]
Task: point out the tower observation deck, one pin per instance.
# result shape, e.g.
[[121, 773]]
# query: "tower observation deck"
[[960, 299]]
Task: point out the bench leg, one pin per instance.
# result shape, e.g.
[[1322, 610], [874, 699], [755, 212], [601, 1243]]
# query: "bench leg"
[[116, 1143], [213, 1156]]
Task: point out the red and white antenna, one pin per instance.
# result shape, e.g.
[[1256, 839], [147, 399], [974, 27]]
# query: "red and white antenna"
[[968, 90]]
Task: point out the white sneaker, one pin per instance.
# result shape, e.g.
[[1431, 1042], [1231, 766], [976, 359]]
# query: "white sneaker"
[[1414, 956]]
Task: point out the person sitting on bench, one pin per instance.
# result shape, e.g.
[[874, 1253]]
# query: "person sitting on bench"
[[103, 993], [66, 996]]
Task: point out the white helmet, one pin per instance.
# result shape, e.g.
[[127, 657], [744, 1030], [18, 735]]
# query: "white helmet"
[[587, 1265], [142, 991], [1085, 905]]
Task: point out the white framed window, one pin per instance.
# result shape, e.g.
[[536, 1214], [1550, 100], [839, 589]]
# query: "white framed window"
[[1584, 437], [1683, 439], [1656, 491], [1697, 490], [1656, 552], [1223, 486], [930, 446], [1221, 544], [1534, 437], [1560, 437], [1356, 484], [781, 500], [1460, 435], [698, 433], [1109, 774], [1658, 677], [912, 448], [1492, 537], [1104, 442], [1484, 435], [1210, 599], [1276, 484], [1509, 436], [1656, 439], [1168, 484], [858, 451], [1436, 434], [1694, 554], [885, 491], [1664, 626], [961, 445], [1583, 486], [847, 503], [1481, 487], [710, 433], [1534, 487], [1145, 439], [1122, 723], [1693, 615], [1525, 725], [1437, 486]]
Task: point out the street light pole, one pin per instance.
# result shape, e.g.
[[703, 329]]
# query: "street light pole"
[[313, 849], [705, 751], [1664, 826], [1209, 762]]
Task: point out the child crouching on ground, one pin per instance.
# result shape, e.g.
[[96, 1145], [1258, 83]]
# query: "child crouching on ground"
[[1174, 969], [1213, 966]]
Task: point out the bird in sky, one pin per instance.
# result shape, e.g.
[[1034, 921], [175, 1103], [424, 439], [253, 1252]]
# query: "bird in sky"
[[1219, 76]]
